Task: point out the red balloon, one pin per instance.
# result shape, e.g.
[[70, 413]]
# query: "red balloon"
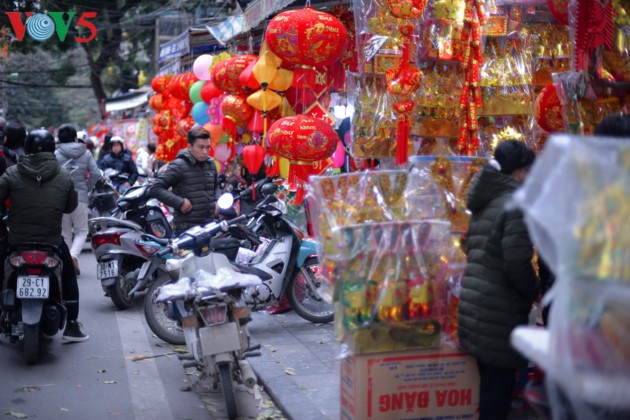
[[209, 91]]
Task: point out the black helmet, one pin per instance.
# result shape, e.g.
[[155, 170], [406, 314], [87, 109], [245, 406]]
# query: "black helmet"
[[39, 140]]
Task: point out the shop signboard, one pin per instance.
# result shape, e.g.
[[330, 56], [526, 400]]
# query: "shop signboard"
[[428, 384]]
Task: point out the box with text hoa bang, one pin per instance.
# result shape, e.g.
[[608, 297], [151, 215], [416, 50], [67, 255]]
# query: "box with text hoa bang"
[[419, 384]]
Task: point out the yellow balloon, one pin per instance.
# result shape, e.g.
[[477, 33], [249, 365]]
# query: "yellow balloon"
[[284, 165], [264, 100], [265, 68], [282, 81], [218, 165]]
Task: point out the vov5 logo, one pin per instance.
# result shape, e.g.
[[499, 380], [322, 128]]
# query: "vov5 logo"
[[41, 26]]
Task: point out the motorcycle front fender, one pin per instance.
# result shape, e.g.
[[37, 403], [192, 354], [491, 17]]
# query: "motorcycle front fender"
[[307, 248], [105, 283], [32, 310]]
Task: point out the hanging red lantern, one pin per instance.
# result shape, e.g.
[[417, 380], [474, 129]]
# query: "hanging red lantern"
[[559, 10], [306, 38], [156, 102], [247, 78], [226, 73], [159, 83], [236, 113], [253, 156], [180, 84], [302, 139], [548, 110]]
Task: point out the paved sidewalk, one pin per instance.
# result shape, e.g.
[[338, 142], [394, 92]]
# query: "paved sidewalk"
[[299, 367]]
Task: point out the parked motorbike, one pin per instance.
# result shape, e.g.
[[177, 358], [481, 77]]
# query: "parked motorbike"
[[31, 298], [212, 313], [102, 199], [122, 246]]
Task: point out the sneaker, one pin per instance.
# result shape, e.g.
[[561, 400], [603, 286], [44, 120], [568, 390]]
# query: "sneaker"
[[74, 333], [76, 266]]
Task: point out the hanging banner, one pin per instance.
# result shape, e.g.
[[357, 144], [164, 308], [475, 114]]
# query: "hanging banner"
[[175, 48]]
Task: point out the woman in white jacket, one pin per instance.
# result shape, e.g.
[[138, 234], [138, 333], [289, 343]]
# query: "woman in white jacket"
[[75, 157]]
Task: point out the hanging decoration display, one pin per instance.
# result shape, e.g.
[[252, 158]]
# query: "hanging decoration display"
[[226, 73], [306, 38]]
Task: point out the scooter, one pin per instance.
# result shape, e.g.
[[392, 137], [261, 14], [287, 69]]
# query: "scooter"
[[214, 319], [122, 245], [102, 199], [31, 300]]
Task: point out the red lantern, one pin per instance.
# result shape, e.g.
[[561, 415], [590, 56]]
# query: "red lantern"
[[226, 73], [247, 78], [306, 38], [160, 83], [156, 102], [304, 141], [236, 112], [253, 156], [548, 110]]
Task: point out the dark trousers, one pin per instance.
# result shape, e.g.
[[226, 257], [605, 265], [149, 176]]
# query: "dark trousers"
[[68, 278], [495, 392], [69, 283]]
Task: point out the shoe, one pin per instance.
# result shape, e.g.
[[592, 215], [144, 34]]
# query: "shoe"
[[76, 266], [74, 333]]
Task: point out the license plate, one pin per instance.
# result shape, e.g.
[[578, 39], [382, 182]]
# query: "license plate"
[[107, 270], [32, 287]]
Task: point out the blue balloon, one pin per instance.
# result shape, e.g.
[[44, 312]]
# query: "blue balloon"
[[199, 113]]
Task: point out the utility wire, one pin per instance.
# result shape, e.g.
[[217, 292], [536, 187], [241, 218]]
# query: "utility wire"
[[35, 85]]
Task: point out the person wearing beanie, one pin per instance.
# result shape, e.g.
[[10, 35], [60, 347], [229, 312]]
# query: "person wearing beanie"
[[74, 156], [499, 284]]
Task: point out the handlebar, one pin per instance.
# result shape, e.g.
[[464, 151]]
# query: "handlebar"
[[198, 235]]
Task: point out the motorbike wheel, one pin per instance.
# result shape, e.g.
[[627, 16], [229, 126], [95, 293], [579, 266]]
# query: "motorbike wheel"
[[305, 301], [225, 377], [31, 343], [119, 292], [157, 317]]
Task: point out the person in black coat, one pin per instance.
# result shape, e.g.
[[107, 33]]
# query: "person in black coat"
[[122, 161], [189, 184]]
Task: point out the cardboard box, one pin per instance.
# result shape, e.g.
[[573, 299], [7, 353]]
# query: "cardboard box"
[[420, 384]]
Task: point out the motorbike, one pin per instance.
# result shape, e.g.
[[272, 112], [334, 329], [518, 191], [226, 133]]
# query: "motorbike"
[[102, 199], [213, 316], [122, 245], [267, 245], [31, 298]]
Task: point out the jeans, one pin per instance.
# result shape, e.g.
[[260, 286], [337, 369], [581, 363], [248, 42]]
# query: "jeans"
[[495, 391]]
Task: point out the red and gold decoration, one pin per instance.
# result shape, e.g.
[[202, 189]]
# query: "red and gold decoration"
[[560, 10], [253, 157], [226, 73], [236, 113], [307, 143], [593, 28], [548, 110], [306, 38]]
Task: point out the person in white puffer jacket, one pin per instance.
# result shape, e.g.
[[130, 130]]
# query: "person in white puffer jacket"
[[75, 157]]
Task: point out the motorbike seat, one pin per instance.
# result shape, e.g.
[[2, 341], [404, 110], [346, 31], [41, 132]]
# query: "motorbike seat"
[[263, 275]]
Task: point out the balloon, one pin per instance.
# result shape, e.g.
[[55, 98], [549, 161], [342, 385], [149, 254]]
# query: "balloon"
[[195, 91], [339, 157], [216, 132], [199, 113], [238, 149], [284, 167], [222, 152], [209, 91], [201, 66]]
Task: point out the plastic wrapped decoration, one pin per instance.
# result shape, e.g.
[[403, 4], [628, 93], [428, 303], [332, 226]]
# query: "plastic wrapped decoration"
[[576, 205], [551, 45], [505, 79], [617, 61], [373, 120]]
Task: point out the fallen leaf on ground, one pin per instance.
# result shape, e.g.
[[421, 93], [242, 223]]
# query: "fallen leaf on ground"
[[272, 349], [16, 414], [101, 371], [322, 341], [302, 387], [110, 382], [31, 389], [289, 371], [64, 409]]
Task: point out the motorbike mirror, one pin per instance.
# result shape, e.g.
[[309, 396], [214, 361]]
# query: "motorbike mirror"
[[225, 201], [268, 189]]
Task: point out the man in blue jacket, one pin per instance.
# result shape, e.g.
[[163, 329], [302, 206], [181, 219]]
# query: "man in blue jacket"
[[121, 161]]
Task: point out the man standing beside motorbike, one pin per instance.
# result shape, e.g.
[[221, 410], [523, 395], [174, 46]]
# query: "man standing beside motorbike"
[[77, 160], [40, 192], [192, 178], [121, 161]]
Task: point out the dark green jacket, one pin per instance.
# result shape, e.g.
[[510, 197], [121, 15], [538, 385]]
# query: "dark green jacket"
[[499, 283], [40, 192], [186, 177]]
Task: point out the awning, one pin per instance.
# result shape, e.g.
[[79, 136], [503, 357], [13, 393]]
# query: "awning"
[[127, 101]]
